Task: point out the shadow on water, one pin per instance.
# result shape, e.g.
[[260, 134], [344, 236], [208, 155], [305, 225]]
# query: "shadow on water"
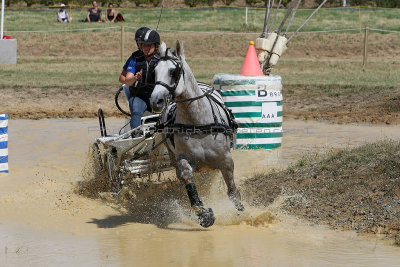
[[115, 221], [161, 214]]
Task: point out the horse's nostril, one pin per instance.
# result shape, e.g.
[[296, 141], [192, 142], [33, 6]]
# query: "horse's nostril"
[[160, 101]]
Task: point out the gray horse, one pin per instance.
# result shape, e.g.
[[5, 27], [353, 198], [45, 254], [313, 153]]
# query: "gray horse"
[[201, 114]]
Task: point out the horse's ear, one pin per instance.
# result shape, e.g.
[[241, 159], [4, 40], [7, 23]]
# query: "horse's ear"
[[180, 51], [163, 49]]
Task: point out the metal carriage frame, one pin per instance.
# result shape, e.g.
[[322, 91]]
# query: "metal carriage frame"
[[128, 155]]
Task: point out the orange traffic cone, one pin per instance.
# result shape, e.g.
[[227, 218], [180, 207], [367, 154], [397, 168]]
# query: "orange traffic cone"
[[251, 66]]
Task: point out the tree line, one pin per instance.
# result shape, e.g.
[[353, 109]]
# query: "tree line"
[[194, 3]]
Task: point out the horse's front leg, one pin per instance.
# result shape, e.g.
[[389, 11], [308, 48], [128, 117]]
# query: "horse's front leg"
[[233, 192], [185, 173]]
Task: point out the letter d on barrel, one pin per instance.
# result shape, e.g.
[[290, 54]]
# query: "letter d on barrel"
[[262, 93], [3, 143]]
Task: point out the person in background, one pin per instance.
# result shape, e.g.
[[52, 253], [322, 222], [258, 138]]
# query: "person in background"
[[141, 77], [62, 15], [119, 17], [94, 13], [110, 13]]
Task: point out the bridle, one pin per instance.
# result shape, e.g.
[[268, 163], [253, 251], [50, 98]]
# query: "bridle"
[[176, 75]]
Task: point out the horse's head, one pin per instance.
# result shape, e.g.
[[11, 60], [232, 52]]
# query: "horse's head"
[[168, 74]]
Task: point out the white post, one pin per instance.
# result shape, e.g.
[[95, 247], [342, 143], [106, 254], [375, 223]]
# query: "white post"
[[344, 3], [246, 14], [2, 19]]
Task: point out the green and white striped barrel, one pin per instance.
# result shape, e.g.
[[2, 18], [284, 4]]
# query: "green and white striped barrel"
[[256, 103]]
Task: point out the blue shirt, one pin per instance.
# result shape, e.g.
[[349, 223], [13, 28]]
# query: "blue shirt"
[[130, 65]]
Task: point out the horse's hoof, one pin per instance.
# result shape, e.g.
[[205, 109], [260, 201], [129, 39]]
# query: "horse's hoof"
[[206, 217], [235, 198]]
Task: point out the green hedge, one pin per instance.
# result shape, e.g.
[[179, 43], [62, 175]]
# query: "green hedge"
[[193, 3], [377, 3]]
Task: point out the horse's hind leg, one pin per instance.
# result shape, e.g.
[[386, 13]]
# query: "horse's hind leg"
[[185, 173], [233, 192]]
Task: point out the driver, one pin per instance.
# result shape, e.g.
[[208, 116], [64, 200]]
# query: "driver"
[[140, 75], [137, 53]]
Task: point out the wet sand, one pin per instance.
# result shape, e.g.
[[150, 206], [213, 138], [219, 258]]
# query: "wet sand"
[[43, 222]]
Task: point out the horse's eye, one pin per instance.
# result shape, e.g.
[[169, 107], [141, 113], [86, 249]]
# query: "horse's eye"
[[171, 73]]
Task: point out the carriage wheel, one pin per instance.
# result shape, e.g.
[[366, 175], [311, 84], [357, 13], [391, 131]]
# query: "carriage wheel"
[[113, 172]]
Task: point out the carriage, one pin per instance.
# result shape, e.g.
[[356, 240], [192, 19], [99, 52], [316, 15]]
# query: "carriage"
[[132, 153]]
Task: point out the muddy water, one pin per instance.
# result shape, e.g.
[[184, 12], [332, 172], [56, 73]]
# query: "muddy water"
[[44, 223]]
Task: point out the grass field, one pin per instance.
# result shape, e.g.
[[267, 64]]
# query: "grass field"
[[206, 19], [85, 60], [82, 73]]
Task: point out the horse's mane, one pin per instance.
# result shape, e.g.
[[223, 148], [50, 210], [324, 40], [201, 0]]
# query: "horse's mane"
[[173, 52]]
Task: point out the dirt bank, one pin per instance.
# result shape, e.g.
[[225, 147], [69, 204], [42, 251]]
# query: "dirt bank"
[[345, 104], [357, 189]]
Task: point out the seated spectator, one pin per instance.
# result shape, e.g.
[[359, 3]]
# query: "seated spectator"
[[94, 13], [62, 15], [110, 14]]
